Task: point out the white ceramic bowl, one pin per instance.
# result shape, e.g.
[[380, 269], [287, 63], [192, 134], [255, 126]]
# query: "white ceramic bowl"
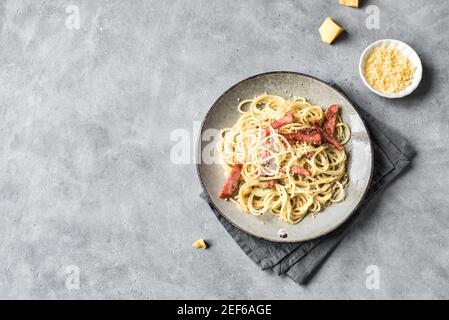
[[406, 50]]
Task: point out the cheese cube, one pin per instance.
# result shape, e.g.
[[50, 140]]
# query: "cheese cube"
[[329, 31], [199, 244], [350, 3]]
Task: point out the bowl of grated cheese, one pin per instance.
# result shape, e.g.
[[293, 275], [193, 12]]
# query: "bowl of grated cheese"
[[390, 68]]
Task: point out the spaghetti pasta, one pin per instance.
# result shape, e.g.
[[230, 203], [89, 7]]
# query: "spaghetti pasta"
[[285, 166]]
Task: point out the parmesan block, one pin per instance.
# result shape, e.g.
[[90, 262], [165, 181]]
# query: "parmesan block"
[[329, 31], [199, 244], [350, 3]]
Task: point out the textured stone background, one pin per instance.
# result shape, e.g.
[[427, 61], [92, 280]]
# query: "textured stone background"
[[86, 117]]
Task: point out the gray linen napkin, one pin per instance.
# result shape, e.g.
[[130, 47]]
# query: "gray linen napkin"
[[300, 261]]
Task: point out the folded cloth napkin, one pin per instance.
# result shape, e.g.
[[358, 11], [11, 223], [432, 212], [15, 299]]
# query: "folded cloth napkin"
[[299, 261]]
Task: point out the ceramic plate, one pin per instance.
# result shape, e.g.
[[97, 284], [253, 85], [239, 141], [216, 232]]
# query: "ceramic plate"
[[224, 113]]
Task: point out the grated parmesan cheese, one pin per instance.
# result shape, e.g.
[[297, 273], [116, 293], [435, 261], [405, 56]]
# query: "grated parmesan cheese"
[[388, 70]]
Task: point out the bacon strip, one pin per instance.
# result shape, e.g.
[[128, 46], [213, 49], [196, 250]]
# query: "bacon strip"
[[232, 182], [327, 137], [288, 118], [272, 183], [303, 136], [330, 119], [299, 170]]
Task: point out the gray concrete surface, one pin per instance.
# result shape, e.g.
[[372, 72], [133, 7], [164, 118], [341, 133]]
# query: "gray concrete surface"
[[86, 117]]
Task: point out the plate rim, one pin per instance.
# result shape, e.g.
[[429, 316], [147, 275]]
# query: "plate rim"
[[199, 160]]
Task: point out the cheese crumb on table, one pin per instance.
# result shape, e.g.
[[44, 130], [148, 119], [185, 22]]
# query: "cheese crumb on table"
[[388, 70], [329, 31], [199, 244], [350, 3]]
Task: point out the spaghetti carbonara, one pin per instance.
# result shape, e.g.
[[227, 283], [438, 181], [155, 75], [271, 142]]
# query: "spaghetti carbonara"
[[284, 156]]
